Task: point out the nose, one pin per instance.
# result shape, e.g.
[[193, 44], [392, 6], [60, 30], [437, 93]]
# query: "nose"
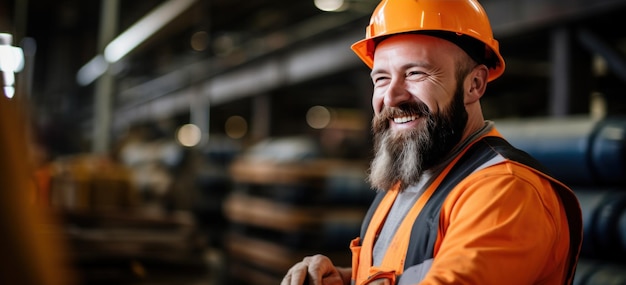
[[396, 93]]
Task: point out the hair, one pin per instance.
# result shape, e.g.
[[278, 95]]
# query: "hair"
[[464, 67]]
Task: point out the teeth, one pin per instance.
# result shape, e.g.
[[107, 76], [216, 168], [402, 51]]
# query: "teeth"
[[401, 120]]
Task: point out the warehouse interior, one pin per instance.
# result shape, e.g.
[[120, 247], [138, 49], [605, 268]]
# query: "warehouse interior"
[[220, 141]]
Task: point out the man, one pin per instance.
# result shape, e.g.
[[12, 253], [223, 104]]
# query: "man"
[[457, 204]]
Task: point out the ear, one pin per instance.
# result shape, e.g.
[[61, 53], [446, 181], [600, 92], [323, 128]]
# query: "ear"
[[476, 83]]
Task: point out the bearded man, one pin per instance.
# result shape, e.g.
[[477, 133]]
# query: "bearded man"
[[456, 203]]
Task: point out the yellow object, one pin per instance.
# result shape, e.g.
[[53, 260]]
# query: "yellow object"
[[34, 249], [463, 17]]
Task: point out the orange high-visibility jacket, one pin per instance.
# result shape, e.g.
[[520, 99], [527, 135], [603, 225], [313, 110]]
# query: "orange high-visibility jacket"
[[507, 223]]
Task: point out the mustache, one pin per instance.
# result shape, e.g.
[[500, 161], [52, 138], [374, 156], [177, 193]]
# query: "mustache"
[[406, 109], [381, 121]]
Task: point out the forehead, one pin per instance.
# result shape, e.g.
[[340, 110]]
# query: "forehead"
[[416, 46]]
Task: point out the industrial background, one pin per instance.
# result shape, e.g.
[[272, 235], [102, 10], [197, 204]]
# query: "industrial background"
[[220, 141]]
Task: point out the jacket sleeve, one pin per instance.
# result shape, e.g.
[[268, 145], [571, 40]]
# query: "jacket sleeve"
[[502, 225]]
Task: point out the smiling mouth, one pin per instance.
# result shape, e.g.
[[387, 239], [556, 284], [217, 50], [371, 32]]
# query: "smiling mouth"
[[404, 119]]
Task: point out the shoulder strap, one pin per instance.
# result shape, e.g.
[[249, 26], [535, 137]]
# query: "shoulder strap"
[[423, 240], [482, 151], [568, 198]]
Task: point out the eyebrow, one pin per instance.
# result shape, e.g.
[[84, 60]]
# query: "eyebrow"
[[403, 67]]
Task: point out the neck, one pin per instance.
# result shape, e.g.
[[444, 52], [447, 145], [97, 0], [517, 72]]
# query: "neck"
[[475, 120]]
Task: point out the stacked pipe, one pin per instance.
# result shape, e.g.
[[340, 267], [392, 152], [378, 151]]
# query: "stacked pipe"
[[589, 155], [288, 201]]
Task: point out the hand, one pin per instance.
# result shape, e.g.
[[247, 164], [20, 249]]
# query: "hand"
[[314, 270]]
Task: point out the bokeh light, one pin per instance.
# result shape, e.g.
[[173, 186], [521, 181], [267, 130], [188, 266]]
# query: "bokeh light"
[[189, 135], [236, 127], [200, 41], [318, 117], [329, 5]]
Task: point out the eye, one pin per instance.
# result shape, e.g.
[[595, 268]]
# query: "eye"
[[415, 73], [380, 80]]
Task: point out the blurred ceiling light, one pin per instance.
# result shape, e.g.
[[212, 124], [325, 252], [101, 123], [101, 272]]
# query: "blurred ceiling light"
[[318, 117], [11, 58], [11, 61], [199, 41], [92, 70], [9, 91], [189, 135], [144, 28], [131, 38], [330, 5], [236, 127]]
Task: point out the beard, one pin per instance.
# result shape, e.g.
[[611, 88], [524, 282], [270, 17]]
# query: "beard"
[[403, 156]]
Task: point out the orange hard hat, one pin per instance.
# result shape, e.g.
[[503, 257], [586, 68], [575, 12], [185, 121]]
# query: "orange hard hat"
[[457, 17]]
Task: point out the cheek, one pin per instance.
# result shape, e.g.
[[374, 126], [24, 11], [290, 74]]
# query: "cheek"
[[377, 103], [437, 98]]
